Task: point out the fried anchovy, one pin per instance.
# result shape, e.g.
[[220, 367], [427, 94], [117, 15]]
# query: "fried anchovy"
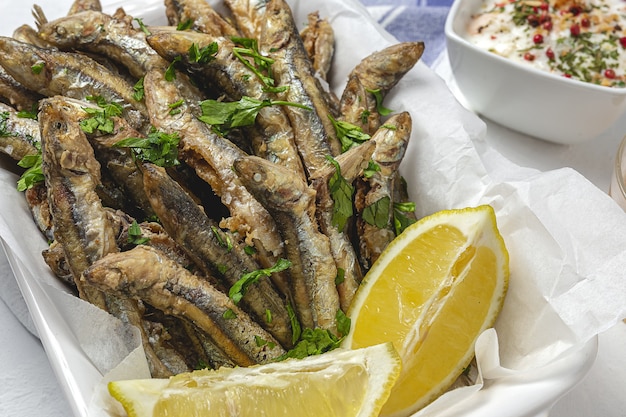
[[51, 72], [378, 196], [314, 133], [84, 5], [200, 15], [18, 136], [292, 204], [353, 105], [212, 157], [145, 273], [37, 201], [248, 16], [319, 42], [28, 34], [351, 165], [15, 94], [236, 80], [381, 70], [214, 251], [101, 33], [81, 225]]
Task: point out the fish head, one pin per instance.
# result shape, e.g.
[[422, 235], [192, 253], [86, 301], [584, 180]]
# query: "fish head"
[[73, 30], [26, 63]]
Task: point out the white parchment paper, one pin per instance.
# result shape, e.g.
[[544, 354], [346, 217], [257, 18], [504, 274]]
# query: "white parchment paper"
[[566, 238]]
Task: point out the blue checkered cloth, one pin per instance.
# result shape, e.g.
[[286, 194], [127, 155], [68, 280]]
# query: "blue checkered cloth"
[[414, 20]]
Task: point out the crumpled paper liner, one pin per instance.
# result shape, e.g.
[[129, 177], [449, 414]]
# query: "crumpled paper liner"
[[566, 238]]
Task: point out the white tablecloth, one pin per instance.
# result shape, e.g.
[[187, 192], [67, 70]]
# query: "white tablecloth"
[[29, 388]]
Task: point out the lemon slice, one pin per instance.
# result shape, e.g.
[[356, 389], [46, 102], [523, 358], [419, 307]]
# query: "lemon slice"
[[342, 383], [433, 290]]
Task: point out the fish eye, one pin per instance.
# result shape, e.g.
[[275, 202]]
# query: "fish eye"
[[61, 31]]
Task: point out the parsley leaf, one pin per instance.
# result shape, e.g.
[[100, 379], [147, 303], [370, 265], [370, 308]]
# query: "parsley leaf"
[[261, 65], [170, 72], [377, 213], [38, 67], [100, 119], [204, 54], [135, 235], [238, 290], [341, 192], [158, 147], [138, 91], [187, 24], [142, 26], [348, 134], [400, 220], [228, 115], [33, 174], [372, 168], [383, 111], [313, 342]]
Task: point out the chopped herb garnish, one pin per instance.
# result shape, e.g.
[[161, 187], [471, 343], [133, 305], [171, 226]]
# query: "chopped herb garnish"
[[343, 323], [142, 26], [204, 54], [33, 174], [313, 342], [378, 96], [400, 220], [38, 67], [238, 290], [224, 116], [100, 119], [348, 134], [170, 72], [187, 24], [377, 213], [262, 342], [261, 65], [229, 314], [138, 91], [249, 250], [372, 168], [341, 276], [175, 107], [28, 114], [222, 238], [296, 330], [135, 235], [268, 315], [4, 129], [341, 192], [158, 147]]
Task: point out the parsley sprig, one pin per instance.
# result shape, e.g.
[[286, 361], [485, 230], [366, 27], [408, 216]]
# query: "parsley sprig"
[[100, 119], [341, 191], [261, 65], [348, 134], [33, 174], [157, 147], [239, 288], [224, 116]]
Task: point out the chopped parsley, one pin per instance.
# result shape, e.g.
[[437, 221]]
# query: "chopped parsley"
[[38, 67], [261, 65], [378, 96], [175, 107], [135, 235], [33, 174], [341, 191], [138, 91], [229, 314], [204, 54], [100, 119], [224, 116], [400, 220], [222, 239], [348, 134], [238, 290], [158, 147], [170, 72], [142, 26], [187, 24], [377, 213]]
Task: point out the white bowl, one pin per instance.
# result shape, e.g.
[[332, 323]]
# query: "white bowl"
[[523, 98]]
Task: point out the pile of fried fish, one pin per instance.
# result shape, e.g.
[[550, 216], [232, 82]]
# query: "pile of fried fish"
[[199, 180]]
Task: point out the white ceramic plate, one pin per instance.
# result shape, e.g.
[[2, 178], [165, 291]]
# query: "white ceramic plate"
[[443, 170]]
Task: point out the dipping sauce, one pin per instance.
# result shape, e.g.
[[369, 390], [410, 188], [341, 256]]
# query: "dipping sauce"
[[583, 40]]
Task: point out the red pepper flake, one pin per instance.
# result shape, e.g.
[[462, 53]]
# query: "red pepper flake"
[[529, 57], [567, 75], [550, 54], [574, 30], [585, 22], [609, 73], [622, 41], [547, 25], [538, 38]]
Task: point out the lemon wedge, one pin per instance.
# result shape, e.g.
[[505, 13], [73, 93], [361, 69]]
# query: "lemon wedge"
[[433, 290], [342, 383]]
